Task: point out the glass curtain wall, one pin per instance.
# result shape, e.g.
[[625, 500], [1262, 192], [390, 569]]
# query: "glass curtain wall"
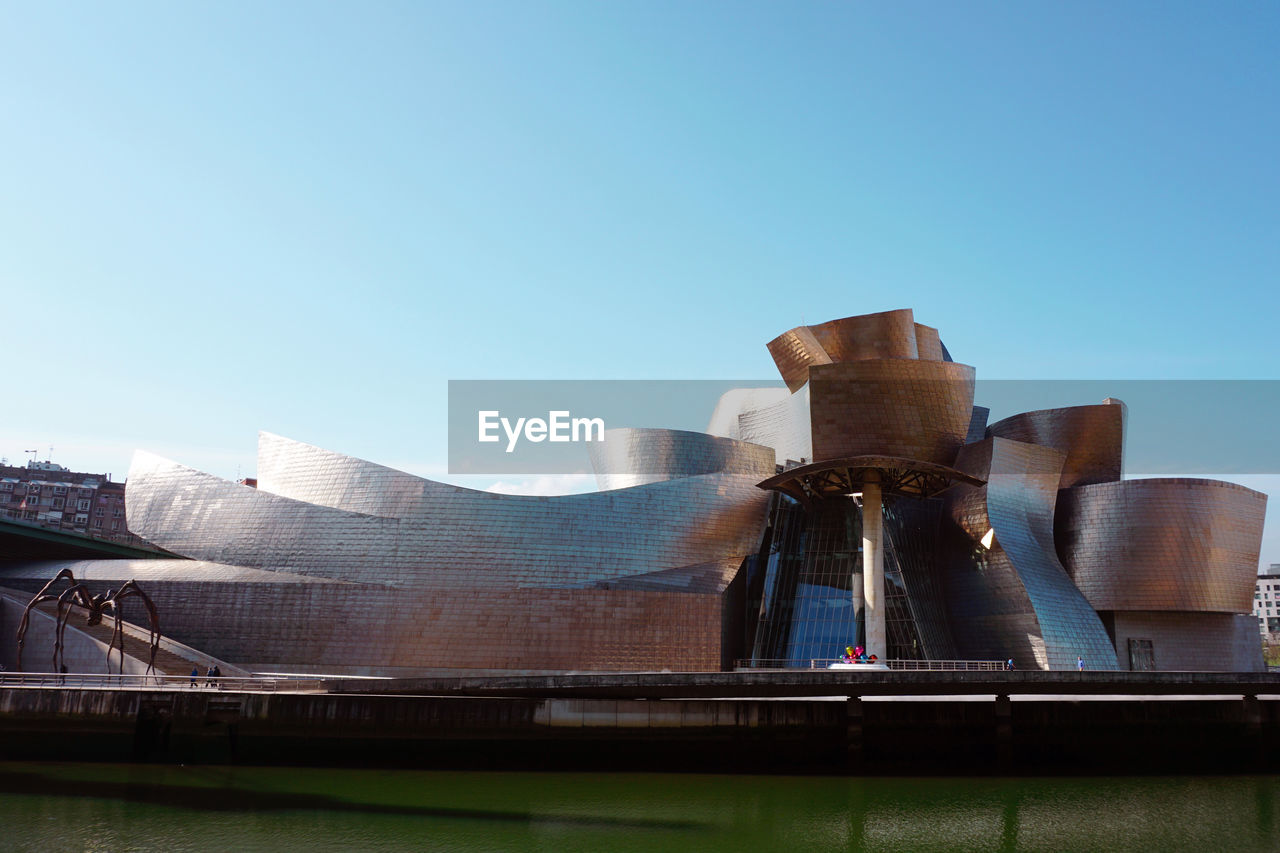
[[804, 591]]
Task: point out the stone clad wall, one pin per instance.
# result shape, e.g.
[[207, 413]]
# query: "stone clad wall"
[[1199, 642]]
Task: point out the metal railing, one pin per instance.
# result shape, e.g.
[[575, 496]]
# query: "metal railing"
[[913, 665], [87, 681]]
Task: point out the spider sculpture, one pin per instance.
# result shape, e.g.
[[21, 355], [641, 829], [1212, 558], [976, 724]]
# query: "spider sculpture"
[[77, 594]]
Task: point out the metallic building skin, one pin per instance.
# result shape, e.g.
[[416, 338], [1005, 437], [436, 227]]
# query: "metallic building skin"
[[928, 344], [768, 416], [891, 407], [890, 334], [1162, 544], [978, 425], [380, 570], [1091, 436], [795, 352], [635, 457], [682, 534], [1040, 551], [1010, 594]]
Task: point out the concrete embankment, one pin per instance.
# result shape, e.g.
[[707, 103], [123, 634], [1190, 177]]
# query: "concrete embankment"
[[874, 735]]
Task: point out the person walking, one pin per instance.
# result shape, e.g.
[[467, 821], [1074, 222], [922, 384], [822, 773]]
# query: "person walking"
[[1079, 664], [195, 676]]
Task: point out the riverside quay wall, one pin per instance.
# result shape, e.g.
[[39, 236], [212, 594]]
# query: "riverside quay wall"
[[899, 723]]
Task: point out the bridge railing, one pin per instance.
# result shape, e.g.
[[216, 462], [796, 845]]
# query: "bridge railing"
[[915, 665], [89, 681], [119, 537]]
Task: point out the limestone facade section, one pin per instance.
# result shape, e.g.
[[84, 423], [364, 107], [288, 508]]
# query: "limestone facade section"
[[1164, 544], [1201, 642], [370, 630], [891, 407], [1091, 436]]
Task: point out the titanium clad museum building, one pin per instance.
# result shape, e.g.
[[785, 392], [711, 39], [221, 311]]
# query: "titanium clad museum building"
[[868, 501]]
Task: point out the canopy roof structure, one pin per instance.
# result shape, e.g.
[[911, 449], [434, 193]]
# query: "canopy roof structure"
[[839, 477]]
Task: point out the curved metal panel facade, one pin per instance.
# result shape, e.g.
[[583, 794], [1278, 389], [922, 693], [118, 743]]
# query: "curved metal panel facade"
[[1163, 544], [321, 571], [338, 563], [1004, 561], [891, 407], [760, 416], [928, 344], [794, 352], [452, 536], [634, 457], [1092, 437], [889, 334]]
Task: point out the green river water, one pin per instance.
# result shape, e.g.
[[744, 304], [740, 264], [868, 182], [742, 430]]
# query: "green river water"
[[110, 807]]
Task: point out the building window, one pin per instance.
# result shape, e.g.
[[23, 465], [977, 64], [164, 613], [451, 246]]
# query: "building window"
[[81, 518], [117, 512], [99, 512], [115, 525], [59, 490], [58, 503], [6, 487], [82, 505], [97, 523]]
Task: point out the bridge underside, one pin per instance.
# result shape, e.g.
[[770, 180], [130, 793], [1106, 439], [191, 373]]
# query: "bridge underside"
[[20, 543]]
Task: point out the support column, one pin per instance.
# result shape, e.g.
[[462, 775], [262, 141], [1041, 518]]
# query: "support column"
[[853, 733], [873, 570]]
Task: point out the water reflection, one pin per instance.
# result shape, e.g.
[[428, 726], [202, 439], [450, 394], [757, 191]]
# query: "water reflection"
[[82, 806]]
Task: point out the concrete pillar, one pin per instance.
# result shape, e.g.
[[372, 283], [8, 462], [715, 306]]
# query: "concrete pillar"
[[1004, 732], [853, 733], [873, 570]]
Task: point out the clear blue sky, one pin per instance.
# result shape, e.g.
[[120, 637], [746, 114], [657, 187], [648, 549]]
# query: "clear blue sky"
[[306, 217]]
